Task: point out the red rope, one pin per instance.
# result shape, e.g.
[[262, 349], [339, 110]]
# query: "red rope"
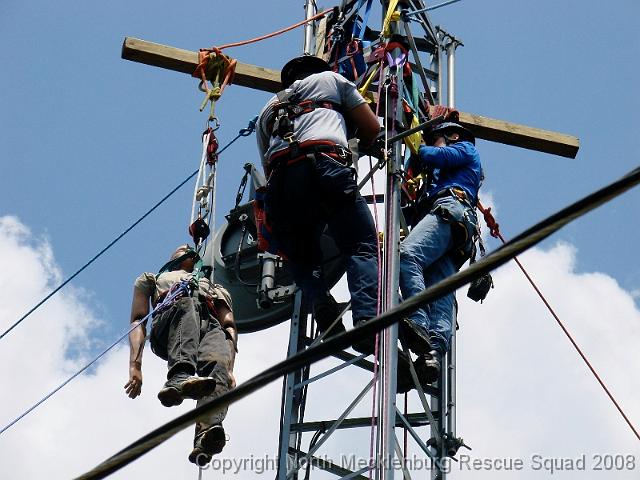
[[494, 229], [278, 32]]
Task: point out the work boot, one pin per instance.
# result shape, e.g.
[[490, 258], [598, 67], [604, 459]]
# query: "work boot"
[[326, 310], [182, 385], [366, 344], [404, 379], [428, 366], [207, 443], [414, 337]]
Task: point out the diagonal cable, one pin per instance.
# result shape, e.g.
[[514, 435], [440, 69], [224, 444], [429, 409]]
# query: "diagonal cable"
[[167, 301], [242, 133], [500, 256], [495, 232]]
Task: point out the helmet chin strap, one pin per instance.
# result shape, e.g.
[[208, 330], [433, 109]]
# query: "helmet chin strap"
[[449, 141]]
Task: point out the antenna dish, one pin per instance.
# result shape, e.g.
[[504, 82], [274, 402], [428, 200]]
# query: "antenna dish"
[[240, 272]]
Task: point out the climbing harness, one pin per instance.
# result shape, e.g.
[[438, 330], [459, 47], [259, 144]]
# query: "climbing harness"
[[280, 123]]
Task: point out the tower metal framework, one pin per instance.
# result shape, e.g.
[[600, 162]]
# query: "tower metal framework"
[[438, 401]]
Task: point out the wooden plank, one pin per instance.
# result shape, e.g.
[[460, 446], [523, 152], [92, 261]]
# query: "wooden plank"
[[265, 79], [521, 135], [186, 61]]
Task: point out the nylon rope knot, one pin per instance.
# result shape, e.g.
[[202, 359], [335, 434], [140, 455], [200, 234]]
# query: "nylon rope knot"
[[219, 69], [494, 227]]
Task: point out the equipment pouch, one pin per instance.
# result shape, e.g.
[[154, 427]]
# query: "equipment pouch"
[[479, 288], [463, 226]]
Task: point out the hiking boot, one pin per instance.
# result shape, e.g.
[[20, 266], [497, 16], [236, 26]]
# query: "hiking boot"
[[428, 367], [414, 337], [182, 385], [366, 344], [207, 443], [326, 310]]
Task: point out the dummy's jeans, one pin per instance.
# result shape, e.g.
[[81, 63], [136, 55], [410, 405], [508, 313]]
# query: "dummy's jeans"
[[425, 259], [186, 334], [303, 198]]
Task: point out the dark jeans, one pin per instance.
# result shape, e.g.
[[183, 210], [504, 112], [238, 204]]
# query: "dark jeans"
[[191, 339], [304, 198]]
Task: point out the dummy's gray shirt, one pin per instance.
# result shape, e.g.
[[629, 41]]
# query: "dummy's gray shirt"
[[321, 123], [156, 286]]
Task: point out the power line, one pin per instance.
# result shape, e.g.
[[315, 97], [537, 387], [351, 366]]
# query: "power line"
[[242, 133], [166, 302], [502, 255]]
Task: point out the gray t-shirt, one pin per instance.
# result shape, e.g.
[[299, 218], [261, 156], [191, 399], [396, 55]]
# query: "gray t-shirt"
[[155, 286], [321, 123]]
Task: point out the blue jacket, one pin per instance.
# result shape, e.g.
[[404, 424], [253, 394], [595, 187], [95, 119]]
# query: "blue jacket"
[[456, 165]]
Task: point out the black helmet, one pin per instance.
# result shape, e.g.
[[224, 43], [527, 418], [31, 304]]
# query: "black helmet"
[[452, 127], [306, 63]]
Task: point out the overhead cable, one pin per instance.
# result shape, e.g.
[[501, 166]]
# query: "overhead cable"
[[502, 255], [495, 232], [242, 133], [167, 301]]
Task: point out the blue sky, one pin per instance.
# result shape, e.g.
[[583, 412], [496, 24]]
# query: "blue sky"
[[90, 141]]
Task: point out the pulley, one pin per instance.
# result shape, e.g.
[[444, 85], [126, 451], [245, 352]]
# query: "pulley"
[[199, 230]]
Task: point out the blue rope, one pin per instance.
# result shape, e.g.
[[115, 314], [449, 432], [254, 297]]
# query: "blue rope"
[[245, 132], [181, 289]]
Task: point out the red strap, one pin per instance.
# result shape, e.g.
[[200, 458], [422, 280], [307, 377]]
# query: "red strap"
[[212, 147]]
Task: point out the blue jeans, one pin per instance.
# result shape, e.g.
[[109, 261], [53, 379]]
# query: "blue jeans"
[[434, 250], [305, 197]]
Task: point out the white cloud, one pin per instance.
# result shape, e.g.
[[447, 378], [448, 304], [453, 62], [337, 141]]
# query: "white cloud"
[[522, 389], [91, 418]]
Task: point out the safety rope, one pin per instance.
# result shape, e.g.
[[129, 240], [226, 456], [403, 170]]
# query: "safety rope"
[[376, 352], [277, 32], [181, 290], [500, 256], [494, 230], [219, 69], [378, 311], [244, 132]]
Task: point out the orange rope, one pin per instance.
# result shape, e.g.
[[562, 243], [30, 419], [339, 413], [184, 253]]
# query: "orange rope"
[[273, 34], [495, 232]]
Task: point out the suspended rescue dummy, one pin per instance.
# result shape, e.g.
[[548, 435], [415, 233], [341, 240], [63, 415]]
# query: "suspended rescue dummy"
[[195, 333]]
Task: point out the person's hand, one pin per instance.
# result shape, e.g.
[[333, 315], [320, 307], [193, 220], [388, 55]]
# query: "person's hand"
[[134, 386]]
